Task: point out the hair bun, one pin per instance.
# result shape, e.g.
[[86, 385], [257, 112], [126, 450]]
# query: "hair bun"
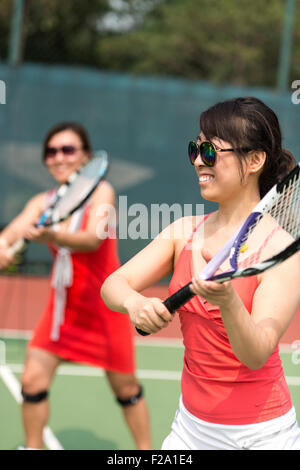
[[286, 163]]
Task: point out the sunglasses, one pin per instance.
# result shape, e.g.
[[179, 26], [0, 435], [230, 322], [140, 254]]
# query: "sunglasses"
[[207, 150], [68, 150]]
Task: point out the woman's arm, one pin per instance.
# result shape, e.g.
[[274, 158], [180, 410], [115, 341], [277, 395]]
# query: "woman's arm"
[[85, 240], [16, 229], [121, 290], [254, 337]]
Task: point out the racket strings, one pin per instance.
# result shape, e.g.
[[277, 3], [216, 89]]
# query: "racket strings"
[[286, 210], [72, 198], [281, 221], [86, 180], [257, 255]]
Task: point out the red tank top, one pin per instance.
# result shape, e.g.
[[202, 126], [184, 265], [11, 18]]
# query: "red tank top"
[[216, 386]]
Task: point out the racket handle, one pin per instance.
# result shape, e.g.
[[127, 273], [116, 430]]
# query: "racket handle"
[[179, 298], [141, 332], [174, 302], [18, 246]]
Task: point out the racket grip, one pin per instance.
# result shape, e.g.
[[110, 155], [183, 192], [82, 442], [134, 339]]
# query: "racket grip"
[[141, 332], [18, 246], [174, 302], [179, 298]]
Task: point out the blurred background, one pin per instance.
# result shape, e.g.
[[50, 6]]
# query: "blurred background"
[[137, 74]]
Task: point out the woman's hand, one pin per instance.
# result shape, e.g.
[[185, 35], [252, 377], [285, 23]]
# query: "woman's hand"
[[6, 258], [147, 314], [39, 234], [215, 293]]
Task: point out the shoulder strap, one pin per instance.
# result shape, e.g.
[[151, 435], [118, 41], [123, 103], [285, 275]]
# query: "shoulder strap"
[[197, 226]]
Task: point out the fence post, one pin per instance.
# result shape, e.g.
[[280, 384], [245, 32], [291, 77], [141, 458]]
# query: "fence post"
[[286, 46], [15, 41], [2, 92]]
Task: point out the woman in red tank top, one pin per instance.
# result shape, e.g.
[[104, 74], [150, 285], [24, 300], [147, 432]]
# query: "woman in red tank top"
[[234, 394], [76, 324]]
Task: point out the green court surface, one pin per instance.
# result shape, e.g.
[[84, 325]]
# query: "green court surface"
[[84, 414]]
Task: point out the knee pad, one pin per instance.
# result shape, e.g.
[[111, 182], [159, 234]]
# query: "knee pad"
[[132, 400], [34, 397]]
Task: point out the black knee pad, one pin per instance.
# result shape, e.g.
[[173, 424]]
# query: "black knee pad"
[[132, 400], [34, 397]]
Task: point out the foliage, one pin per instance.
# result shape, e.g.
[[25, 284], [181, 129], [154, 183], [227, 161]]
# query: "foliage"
[[215, 40], [63, 31]]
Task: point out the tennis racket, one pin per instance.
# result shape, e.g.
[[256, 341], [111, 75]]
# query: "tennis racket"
[[254, 247], [71, 195]]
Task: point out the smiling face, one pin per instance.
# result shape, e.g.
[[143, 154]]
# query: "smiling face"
[[64, 154], [223, 180], [249, 124]]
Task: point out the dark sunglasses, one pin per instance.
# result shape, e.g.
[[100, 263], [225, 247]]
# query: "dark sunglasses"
[[69, 150], [207, 150]]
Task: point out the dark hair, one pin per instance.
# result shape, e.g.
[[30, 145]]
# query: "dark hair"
[[250, 124], [72, 126]]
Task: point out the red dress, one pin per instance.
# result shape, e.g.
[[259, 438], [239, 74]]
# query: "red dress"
[[76, 325]]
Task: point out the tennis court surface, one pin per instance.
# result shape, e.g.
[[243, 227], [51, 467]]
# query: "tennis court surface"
[[84, 414]]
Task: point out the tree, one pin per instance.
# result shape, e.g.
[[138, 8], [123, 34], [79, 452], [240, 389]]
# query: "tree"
[[63, 31], [215, 40]]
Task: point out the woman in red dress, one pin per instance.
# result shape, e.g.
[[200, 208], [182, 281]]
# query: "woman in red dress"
[[76, 324]]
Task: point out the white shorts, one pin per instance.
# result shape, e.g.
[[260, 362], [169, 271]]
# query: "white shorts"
[[191, 433]]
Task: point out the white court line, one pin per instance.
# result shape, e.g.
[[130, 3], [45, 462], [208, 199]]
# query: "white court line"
[[147, 341], [293, 381], [84, 371], [15, 334], [160, 342], [14, 387]]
